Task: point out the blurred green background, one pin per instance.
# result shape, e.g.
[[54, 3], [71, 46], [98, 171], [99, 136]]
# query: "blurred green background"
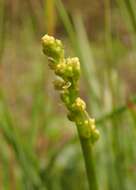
[[39, 147]]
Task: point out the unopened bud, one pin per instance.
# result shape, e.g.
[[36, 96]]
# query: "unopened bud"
[[65, 97], [95, 135], [60, 69], [79, 105], [73, 67], [58, 84], [52, 48]]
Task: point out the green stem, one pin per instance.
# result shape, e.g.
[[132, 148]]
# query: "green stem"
[[89, 165]]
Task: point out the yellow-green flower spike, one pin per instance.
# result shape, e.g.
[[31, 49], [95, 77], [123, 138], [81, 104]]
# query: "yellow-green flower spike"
[[68, 70]]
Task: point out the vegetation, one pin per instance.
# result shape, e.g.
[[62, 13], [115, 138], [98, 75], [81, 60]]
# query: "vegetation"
[[39, 146]]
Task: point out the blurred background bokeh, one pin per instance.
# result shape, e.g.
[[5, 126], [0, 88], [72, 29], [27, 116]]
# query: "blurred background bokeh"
[[39, 147]]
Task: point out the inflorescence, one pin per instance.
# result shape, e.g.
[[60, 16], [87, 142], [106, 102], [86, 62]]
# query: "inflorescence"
[[68, 74]]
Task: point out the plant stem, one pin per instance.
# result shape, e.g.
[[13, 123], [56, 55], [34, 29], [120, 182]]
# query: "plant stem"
[[89, 165]]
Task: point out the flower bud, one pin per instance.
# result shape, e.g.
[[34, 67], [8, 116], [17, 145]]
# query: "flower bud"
[[65, 97], [84, 128], [60, 69], [95, 135], [73, 67], [79, 105], [52, 48], [60, 84]]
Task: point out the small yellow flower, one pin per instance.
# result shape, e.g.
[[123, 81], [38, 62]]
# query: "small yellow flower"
[[60, 69], [73, 67], [46, 39], [79, 104]]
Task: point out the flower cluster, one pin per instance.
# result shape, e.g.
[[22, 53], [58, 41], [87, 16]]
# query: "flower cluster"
[[53, 48], [68, 72]]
